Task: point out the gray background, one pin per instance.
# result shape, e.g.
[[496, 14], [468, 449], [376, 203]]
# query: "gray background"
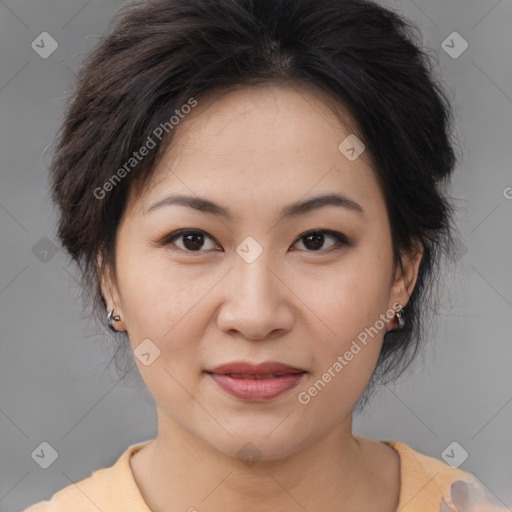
[[55, 385]]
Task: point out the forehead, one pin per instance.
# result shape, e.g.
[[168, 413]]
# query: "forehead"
[[274, 141]]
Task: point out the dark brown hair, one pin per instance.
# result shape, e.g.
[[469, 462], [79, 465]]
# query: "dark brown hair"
[[160, 54]]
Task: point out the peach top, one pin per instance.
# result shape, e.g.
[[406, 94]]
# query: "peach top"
[[427, 485]]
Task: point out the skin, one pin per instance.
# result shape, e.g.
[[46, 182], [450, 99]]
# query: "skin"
[[254, 150]]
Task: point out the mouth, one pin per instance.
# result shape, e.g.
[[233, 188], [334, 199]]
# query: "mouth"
[[256, 382], [256, 377]]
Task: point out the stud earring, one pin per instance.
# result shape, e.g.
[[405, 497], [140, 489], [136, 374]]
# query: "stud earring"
[[112, 319], [401, 320]]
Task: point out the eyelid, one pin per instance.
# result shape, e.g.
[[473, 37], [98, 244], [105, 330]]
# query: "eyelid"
[[341, 241], [169, 239], [340, 238]]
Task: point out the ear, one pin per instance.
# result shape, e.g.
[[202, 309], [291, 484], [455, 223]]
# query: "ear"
[[109, 289], [405, 280]]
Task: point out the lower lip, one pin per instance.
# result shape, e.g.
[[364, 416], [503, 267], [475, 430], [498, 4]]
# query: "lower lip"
[[257, 389]]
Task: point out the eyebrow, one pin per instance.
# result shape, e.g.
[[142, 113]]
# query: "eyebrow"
[[291, 210]]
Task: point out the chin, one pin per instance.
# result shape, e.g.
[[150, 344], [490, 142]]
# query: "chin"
[[251, 445]]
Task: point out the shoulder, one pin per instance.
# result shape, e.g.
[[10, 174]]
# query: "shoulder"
[[111, 489], [429, 484]]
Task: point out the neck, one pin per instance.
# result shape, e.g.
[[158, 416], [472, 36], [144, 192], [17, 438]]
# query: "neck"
[[179, 468]]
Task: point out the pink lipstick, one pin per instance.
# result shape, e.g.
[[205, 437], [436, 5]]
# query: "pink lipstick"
[[256, 382]]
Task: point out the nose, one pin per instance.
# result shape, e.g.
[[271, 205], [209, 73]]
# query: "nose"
[[257, 302]]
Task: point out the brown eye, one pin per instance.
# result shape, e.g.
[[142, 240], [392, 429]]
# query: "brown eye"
[[197, 241], [314, 240], [191, 241]]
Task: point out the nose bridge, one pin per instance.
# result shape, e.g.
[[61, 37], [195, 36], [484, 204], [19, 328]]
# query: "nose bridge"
[[254, 282]]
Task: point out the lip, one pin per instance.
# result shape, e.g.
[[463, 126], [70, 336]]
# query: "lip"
[[253, 382], [246, 368]]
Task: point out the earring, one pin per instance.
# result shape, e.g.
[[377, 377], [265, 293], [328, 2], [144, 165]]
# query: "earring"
[[111, 319], [400, 319]]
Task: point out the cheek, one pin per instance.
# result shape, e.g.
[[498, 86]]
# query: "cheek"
[[350, 306], [164, 306], [159, 296], [351, 297]]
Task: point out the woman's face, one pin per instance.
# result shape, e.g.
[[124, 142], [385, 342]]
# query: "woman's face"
[[251, 283]]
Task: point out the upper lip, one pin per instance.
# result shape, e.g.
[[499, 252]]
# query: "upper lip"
[[246, 368]]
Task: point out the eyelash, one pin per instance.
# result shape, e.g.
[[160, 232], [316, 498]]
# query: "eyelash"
[[340, 238]]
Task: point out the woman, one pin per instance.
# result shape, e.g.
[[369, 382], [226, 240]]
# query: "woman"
[[253, 190]]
